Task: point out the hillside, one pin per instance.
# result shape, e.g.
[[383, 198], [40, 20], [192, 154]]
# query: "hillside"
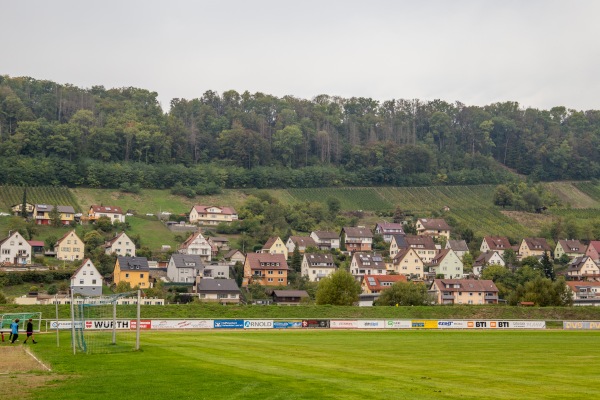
[[470, 206]]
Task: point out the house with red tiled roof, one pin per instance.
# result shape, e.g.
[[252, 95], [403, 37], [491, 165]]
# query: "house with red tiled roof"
[[423, 245], [303, 242], [464, 291], [585, 291], [593, 250], [535, 247], [388, 229], [275, 245], [446, 263], [495, 243], [212, 215], [572, 248], [197, 244], [356, 239], [435, 227], [114, 213], [373, 284], [265, 269]]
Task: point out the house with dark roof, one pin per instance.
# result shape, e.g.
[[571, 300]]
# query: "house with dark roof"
[[265, 269], [534, 247], [289, 297], [464, 291], [435, 227], [317, 266], [424, 246], [495, 243], [42, 214], [367, 264], [373, 284], [303, 242], [583, 268], [184, 268], [224, 291], [572, 248], [326, 240], [458, 246], [235, 255], [388, 229], [485, 259], [133, 270], [356, 239], [86, 280], [113, 213], [397, 244], [408, 263]]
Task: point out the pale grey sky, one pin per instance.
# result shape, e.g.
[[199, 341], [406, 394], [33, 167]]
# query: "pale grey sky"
[[539, 53]]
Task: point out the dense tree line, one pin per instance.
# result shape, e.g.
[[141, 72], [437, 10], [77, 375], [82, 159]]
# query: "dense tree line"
[[61, 134]]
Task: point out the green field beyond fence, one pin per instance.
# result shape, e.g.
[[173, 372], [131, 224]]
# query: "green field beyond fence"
[[325, 365]]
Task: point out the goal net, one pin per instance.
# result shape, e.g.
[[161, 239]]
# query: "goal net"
[[7, 319], [107, 324]]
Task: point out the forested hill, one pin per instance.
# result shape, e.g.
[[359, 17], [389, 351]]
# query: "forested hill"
[[54, 133]]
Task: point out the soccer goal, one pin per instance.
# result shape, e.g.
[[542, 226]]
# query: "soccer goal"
[[107, 324]]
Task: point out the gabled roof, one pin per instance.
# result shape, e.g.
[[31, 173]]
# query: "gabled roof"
[[133, 263], [576, 285], [420, 242], [375, 282], [374, 260], [319, 259], [400, 241], [326, 235], [224, 210], [468, 285], [439, 257], [539, 244], [572, 246], [191, 239], [61, 209], [497, 242], [270, 242], [595, 244], [436, 224], [106, 209], [578, 262], [112, 241], [266, 261], [484, 258], [83, 264], [403, 253], [390, 227], [303, 241], [187, 260], [232, 252], [218, 286], [11, 235], [65, 236], [357, 232], [458, 245]]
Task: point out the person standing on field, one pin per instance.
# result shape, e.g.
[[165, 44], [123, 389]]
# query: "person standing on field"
[[14, 329], [29, 331]]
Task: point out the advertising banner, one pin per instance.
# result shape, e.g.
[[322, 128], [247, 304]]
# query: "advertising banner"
[[377, 324], [182, 324], [345, 324], [581, 325], [315, 323], [287, 324], [398, 324], [229, 323], [452, 324], [258, 324], [144, 324], [506, 324], [102, 324], [425, 324], [64, 324]]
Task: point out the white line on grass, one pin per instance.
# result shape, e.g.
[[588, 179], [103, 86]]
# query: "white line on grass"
[[36, 359]]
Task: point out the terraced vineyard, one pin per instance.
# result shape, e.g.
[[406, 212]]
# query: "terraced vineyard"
[[60, 195], [590, 188]]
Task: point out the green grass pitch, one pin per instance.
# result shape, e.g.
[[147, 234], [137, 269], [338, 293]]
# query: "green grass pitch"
[[330, 365]]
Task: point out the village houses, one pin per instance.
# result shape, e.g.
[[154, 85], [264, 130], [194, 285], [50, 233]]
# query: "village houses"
[[265, 269], [275, 245], [113, 213], [43, 214], [120, 245], [303, 243], [212, 215], [184, 268], [367, 264], [69, 247], [133, 270], [326, 240], [572, 248], [388, 229], [583, 268], [464, 291], [495, 243], [15, 250], [593, 251], [434, 227], [196, 244], [86, 280], [356, 239], [375, 284], [535, 247], [317, 266], [485, 259], [447, 263], [458, 246], [407, 262]]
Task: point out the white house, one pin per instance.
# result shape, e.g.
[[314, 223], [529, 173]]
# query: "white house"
[[317, 266], [367, 264], [120, 245], [388, 229], [448, 264], [183, 268], [197, 244], [303, 242], [86, 280], [115, 214], [487, 258], [326, 240], [15, 250], [212, 215]]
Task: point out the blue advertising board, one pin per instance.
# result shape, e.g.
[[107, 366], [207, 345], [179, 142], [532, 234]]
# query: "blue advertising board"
[[287, 324], [229, 323]]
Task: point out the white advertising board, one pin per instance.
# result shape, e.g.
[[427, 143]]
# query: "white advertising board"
[[346, 324], [398, 324], [182, 324], [375, 324], [258, 324]]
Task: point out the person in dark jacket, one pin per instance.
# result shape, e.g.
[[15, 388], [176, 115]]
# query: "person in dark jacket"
[[29, 331]]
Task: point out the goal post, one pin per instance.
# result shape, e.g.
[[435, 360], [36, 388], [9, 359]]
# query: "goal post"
[[104, 324], [7, 319]]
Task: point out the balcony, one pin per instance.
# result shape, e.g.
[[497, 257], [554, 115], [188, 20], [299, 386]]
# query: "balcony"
[[447, 297]]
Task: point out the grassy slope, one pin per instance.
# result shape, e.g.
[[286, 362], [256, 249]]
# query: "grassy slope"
[[330, 365]]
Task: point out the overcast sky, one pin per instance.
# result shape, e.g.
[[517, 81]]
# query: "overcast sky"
[[539, 53]]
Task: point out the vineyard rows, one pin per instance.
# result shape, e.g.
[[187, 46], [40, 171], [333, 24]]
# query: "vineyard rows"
[[590, 188], [12, 195]]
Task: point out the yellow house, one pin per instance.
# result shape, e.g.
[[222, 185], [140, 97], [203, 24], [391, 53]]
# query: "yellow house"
[[275, 246], [69, 247], [534, 247], [134, 270], [464, 291], [265, 269], [407, 262], [42, 213]]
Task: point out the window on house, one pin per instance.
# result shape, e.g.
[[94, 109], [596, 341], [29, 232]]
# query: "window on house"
[[141, 275], [270, 280], [280, 279], [81, 281], [126, 275], [93, 281]]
